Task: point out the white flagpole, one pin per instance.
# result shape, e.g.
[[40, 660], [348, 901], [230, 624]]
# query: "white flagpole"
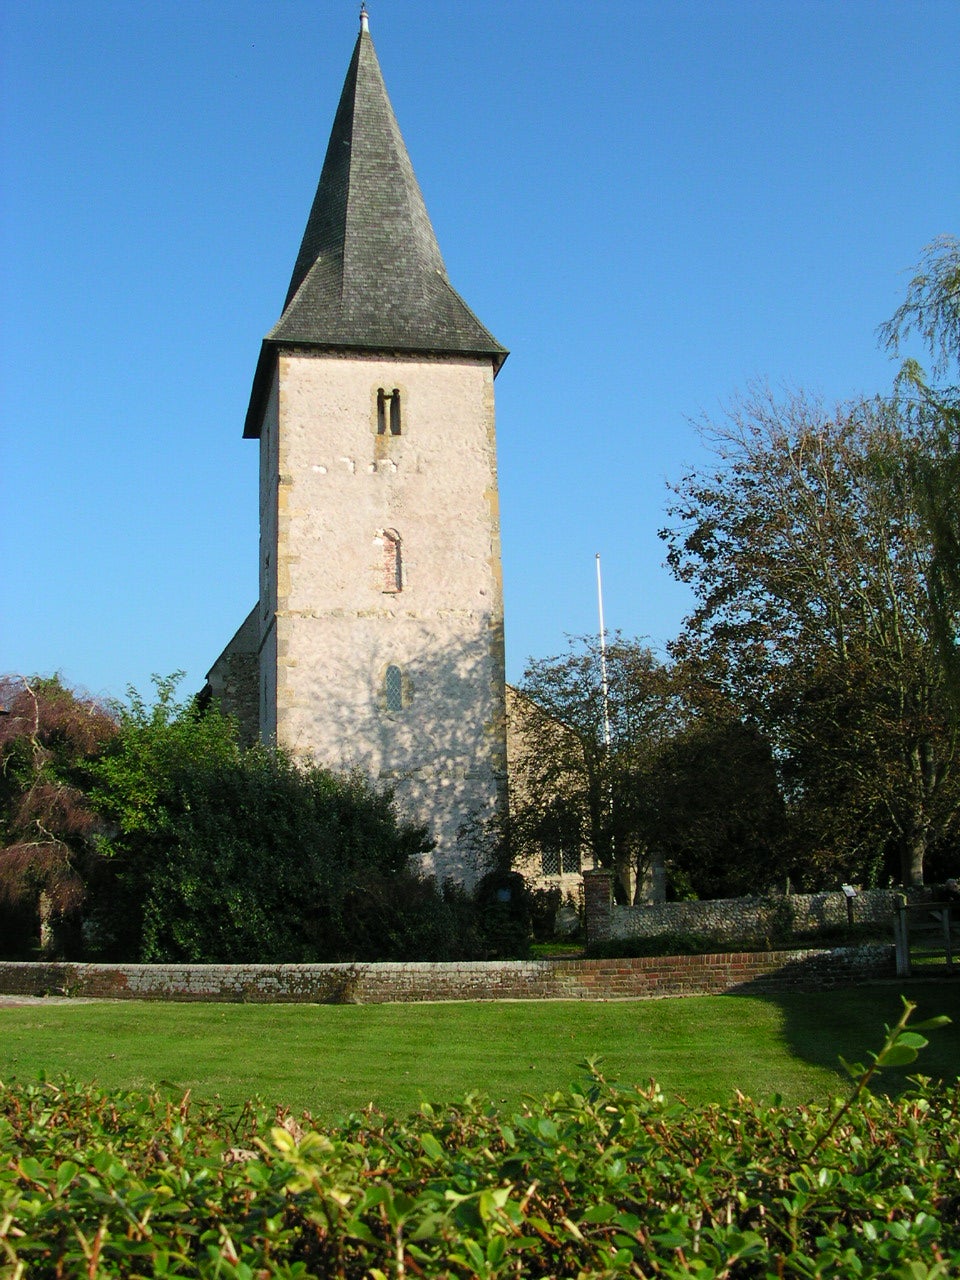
[[603, 661]]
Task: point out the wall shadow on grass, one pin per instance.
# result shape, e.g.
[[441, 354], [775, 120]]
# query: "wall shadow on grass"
[[819, 1027]]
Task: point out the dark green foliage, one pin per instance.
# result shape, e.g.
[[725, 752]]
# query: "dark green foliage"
[[220, 854], [183, 846], [714, 804], [503, 916], [596, 1181], [403, 917], [544, 905], [48, 734], [686, 779]]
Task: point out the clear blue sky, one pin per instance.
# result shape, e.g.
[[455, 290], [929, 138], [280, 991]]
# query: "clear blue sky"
[[650, 204]]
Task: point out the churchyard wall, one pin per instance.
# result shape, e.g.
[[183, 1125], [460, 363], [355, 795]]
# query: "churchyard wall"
[[644, 978]]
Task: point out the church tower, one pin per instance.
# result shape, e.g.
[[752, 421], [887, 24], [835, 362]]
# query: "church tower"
[[380, 619]]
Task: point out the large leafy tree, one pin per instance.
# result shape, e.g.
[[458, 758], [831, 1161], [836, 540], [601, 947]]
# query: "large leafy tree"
[[709, 794], [661, 767], [48, 735], [811, 562], [575, 758]]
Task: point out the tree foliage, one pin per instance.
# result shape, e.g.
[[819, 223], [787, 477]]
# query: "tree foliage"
[[931, 312], [48, 735], [810, 560], [572, 787], [216, 853], [178, 844], [683, 780], [711, 799]]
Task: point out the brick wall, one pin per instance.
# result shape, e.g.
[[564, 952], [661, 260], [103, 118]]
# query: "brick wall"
[[597, 905], [649, 977]]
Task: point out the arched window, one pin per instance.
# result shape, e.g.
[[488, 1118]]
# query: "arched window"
[[392, 563], [388, 411], [393, 688]]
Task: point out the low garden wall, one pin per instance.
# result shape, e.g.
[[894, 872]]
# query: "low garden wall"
[[737, 917], [776, 917], [642, 978]]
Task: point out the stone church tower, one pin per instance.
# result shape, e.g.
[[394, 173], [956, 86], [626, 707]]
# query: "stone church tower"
[[379, 630]]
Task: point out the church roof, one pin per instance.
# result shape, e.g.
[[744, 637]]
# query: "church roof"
[[369, 275]]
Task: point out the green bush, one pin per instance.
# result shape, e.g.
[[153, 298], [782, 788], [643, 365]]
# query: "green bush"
[[597, 1181], [502, 914], [217, 854], [544, 905]]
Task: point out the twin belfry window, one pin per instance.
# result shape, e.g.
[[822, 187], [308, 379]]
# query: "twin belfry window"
[[388, 412]]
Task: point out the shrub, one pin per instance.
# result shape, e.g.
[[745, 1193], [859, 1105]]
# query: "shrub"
[[503, 916], [219, 854], [597, 1181], [544, 905]]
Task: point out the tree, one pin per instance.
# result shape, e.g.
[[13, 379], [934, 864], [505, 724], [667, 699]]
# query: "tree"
[[48, 735], [810, 560], [709, 795], [572, 788], [216, 853], [683, 779], [931, 310]]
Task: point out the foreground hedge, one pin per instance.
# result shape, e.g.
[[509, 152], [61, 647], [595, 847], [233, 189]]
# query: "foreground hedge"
[[598, 1181]]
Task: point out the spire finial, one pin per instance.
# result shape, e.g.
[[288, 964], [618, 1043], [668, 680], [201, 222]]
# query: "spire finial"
[[364, 18]]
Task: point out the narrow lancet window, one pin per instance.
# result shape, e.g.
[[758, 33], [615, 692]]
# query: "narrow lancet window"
[[388, 412], [393, 688], [392, 563]]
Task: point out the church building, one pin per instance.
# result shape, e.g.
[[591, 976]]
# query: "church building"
[[377, 640]]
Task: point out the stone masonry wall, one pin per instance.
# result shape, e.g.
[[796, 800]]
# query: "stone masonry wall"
[[647, 978], [400, 677], [798, 912]]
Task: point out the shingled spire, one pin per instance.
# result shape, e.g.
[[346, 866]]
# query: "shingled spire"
[[369, 275]]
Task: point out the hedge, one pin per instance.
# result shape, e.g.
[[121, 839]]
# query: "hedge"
[[600, 1180]]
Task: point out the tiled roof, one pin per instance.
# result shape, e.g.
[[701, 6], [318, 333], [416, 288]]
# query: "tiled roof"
[[369, 275]]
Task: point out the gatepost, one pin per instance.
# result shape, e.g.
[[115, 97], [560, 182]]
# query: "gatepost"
[[597, 904]]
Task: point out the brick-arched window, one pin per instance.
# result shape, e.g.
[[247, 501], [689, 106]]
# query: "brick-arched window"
[[392, 563], [388, 412]]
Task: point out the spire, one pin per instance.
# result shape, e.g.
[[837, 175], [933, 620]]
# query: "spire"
[[369, 275]]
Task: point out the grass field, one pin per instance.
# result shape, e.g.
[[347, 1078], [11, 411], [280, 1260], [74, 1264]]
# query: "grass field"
[[332, 1059]]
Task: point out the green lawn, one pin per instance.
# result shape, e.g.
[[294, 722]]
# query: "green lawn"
[[332, 1059]]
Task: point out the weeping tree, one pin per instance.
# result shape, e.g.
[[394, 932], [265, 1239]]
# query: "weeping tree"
[[48, 735], [930, 313]]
